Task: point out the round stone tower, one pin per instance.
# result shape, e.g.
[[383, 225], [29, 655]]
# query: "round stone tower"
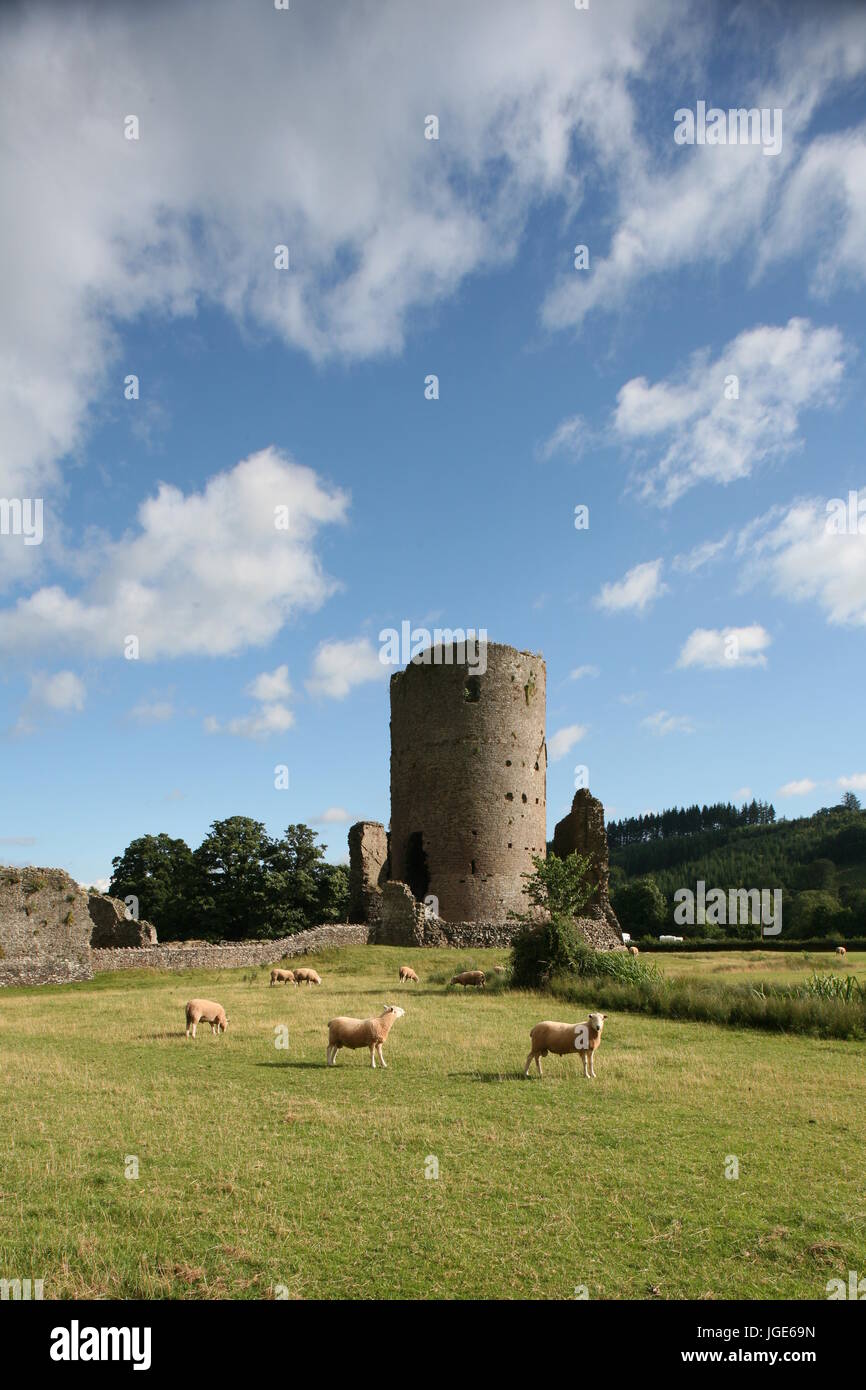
[[468, 779]]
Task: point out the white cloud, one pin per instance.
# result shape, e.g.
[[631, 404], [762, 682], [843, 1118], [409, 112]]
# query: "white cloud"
[[743, 794], [61, 691], [326, 153], [335, 815], [206, 574], [640, 587], [270, 689], [271, 685], [855, 783], [802, 560], [97, 885], [663, 723], [824, 204], [692, 207], [724, 648], [580, 671], [700, 555], [338, 666], [271, 719], [798, 788], [152, 712], [699, 435], [569, 437], [562, 742]]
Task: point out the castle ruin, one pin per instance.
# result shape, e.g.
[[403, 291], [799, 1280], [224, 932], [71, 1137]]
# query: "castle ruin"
[[468, 806]]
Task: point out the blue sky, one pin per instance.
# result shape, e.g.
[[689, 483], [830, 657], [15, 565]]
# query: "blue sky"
[[557, 387]]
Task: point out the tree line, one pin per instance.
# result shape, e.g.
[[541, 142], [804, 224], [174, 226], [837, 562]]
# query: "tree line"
[[687, 820], [239, 883], [818, 861]]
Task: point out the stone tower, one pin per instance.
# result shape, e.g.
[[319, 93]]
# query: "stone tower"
[[468, 780]]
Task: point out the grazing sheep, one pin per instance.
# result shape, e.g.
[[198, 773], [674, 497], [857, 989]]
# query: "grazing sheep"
[[475, 978], [633, 951], [499, 969], [841, 951], [407, 973], [362, 1032], [564, 1038], [205, 1011], [304, 976], [283, 977]]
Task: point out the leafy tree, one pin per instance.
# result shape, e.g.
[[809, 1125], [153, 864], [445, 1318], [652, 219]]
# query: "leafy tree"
[[558, 886], [641, 907], [818, 874], [816, 913], [308, 890], [851, 802], [234, 894], [158, 871]]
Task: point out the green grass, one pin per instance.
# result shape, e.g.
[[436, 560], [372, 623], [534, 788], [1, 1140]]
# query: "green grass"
[[260, 1167], [750, 966]]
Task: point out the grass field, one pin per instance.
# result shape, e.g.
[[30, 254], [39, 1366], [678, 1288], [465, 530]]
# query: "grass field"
[[262, 1173], [780, 967]]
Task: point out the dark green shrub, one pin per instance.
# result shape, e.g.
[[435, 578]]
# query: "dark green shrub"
[[541, 951]]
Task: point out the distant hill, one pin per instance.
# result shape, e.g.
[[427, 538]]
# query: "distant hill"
[[818, 861]]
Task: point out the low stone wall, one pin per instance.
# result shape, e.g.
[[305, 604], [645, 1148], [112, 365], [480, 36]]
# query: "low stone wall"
[[229, 956], [469, 935]]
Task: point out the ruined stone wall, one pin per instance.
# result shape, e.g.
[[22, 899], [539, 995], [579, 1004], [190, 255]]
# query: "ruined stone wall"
[[468, 781], [404, 922], [231, 955], [401, 920], [44, 928], [112, 927], [368, 865], [582, 831]]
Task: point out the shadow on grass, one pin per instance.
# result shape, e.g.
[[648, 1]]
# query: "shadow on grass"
[[486, 1076], [296, 1066]]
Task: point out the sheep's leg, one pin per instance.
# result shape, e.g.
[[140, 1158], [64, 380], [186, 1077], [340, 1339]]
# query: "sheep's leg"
[[373, 1056], [193, 1030], [586, 1065], [528, 1065], [592, 1064], [381, 1058]]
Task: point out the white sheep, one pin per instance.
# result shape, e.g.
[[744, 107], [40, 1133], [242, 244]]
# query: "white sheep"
[[283, 977], [475, 978], [362, 1032], [841, 951], [407, 973], [564, 1038], [633, 950], [205, 1011], [305, 976]]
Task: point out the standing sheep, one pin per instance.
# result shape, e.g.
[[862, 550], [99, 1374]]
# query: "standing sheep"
[[362, 1032], [475, 978], [564, 1038], [283, 977], [841, 951], [205, 1011], [305, 976], [407, 973]]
